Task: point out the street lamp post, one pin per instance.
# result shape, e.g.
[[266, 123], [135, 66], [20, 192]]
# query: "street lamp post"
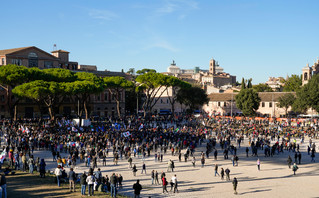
[[231, 104], [137, 104]]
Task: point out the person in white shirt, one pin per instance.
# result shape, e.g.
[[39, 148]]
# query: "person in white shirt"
[[174, 180], [58, 173], [90, 181]]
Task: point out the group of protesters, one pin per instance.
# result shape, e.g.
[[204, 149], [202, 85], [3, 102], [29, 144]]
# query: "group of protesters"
[[133, 137]]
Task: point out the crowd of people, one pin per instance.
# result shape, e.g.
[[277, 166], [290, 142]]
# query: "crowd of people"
[[134, 138]]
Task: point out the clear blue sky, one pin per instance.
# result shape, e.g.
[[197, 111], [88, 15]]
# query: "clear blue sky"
[[252, 39]]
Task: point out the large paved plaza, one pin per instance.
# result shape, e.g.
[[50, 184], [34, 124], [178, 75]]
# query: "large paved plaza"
[[274, 179]]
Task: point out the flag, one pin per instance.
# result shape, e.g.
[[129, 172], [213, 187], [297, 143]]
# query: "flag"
[[126, 134], [2, 156]]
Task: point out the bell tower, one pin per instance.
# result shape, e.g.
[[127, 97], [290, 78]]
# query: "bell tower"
[[212, 66], [306, 74]]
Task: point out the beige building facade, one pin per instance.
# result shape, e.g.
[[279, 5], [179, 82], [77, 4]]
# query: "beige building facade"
[[225, 104]]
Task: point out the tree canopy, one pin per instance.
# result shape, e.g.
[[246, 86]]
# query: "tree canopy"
[[247, 100], [10, 77], [175, 84], [144, 71], [116, 85], [153, 85], [292, 84], [308, 95], [48, 92], [192, 97], [286, 101], [261, 87]]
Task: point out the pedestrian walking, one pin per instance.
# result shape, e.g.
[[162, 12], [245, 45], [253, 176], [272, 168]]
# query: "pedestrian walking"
[[227, 171], [164, 182], [193, 162], [295, 168], [156, 178], [289, 161], [143, 168], [258, 164], [216, 170], [153, 176], [174, 180], [222, 173], [235, 183], [134, 170]]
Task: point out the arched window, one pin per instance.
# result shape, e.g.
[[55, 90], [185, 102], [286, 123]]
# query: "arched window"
[[305, 76]]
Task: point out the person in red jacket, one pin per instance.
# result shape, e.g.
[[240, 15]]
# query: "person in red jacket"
[[164, 184]]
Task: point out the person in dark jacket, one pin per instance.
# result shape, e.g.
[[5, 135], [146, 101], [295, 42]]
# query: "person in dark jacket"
[[72, 179], [222, 173], [3, 184], [137, 189], [113, 181], [235, 183], [83, 183], [42, 168], [134, 170]]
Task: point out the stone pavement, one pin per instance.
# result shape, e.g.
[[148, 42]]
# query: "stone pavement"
[[274, 179]]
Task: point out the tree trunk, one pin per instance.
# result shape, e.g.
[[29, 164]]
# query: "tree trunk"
[[86, 110], [118, 108], [51, 112], [15, 112]]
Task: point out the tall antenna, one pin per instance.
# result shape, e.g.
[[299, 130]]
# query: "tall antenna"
[[54, 47]]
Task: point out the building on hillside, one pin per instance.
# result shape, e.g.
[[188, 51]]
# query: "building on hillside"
[[275, 83], [175, 70], [308, 72], [225, 104], [102, 104], [215, 76]]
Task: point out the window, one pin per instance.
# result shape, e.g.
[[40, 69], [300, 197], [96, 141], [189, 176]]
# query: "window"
[[263, 104], [219, 104], [305, 76], [167, 101], [161, 101], [98, 98], [2, 60], [105, 96], [224, 104], [16, 62], [48, 64], [2, 98], [270, 104], [33, 59]]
